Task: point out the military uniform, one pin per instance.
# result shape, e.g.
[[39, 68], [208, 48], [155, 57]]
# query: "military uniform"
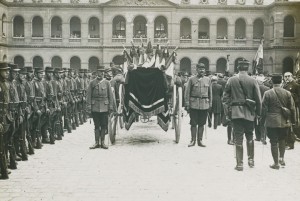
[[242, 117], [198, 99], [99, 104], [4, 124], [67, 101]]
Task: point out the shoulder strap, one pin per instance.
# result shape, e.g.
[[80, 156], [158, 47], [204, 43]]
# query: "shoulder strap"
[[279, 100]]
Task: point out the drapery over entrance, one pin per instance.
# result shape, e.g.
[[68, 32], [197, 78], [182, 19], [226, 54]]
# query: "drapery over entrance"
[[145, 94]]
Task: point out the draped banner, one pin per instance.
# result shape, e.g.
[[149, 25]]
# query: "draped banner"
[[145, 94]]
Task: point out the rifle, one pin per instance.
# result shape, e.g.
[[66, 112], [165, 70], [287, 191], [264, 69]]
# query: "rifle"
[[27, 125]]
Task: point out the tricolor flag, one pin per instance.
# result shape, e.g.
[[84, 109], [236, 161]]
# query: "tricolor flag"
[[258, 59]]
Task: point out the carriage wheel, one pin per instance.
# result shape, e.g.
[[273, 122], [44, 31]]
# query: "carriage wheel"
[[177, 111], [121, 97], [112, 127]]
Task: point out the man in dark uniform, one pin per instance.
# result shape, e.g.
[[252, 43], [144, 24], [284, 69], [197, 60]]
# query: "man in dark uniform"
[[198, 99], [20, 137], [294, 88], [80, 92], [14, 106], [40, 110], [216, 109], [4, 124], [99, 105], [242, 96], [67, 101], [31, 105]]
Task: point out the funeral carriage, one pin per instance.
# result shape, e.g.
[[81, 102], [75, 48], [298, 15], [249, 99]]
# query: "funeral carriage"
[[149, 88]]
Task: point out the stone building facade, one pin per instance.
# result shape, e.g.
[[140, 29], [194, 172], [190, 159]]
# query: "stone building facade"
[[86, 33]]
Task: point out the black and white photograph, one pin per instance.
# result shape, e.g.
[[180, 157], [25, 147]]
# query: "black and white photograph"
[[149, 100]]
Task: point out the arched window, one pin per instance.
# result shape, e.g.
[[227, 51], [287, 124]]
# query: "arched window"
[[185, 29], [56, 27], [118, 60], [203, 29], [240, 29], [222, 29], [205, 61], [93, 63], [119, 27], [288, 65], [18, 26], [140, 27], [4, 26], [94, 27], [75, 63], [185, 65], [221, 65], [258, 29], [236, 64], [160, 27], [289, 26], [38, 62], [75, 27], [56, 62], [19, 60], [37, 27], [272, 30]]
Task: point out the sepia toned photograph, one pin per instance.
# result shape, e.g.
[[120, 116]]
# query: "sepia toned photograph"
[[149, 100]]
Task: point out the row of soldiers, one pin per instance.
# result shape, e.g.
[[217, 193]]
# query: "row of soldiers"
[[37, 105]]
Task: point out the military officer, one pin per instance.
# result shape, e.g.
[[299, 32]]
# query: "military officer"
[[4, 101], [198, 99], [241, 91], [99, 105]]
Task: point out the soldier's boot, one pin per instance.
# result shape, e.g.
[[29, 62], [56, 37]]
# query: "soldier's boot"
[[97, 136], [229, 138], [3, 166], [58, 131], [12, 158], [45, 138], [239, 157], [73, 124], [193, 136], [23, 150], [76, 120], [103, 145], [200, 136], [51, 136], [30, 145], [80, 119], [274, 151], [39, 144], [281, 152], [68, 125], [250, 153]]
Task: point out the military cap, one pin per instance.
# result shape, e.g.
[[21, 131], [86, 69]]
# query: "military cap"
[[13, 67], [23, 70], [117, 69], [49, 69], [200, 65], [220, 75], [38, 69], [65, 69], [4, 66], [101, 68], [214, 78], [243, 63], [276, 77], [58, 70], [81, 70], [29, 69], [186, 74], [85, 70]]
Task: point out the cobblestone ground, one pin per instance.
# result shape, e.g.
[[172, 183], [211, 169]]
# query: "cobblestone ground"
[[146, 164]]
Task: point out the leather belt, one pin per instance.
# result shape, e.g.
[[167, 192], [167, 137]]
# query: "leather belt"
[[199, 97], [238, 104]]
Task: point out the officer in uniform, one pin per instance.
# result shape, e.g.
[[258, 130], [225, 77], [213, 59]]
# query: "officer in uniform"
[[99, 105], [67, 99], [80, 91], [198, 99], [4, 125], [241, 91]]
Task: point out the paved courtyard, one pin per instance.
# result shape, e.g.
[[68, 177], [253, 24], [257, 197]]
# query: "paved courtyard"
[[146, 164]]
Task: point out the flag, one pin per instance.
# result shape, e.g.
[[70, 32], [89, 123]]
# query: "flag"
[[258, 59]]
